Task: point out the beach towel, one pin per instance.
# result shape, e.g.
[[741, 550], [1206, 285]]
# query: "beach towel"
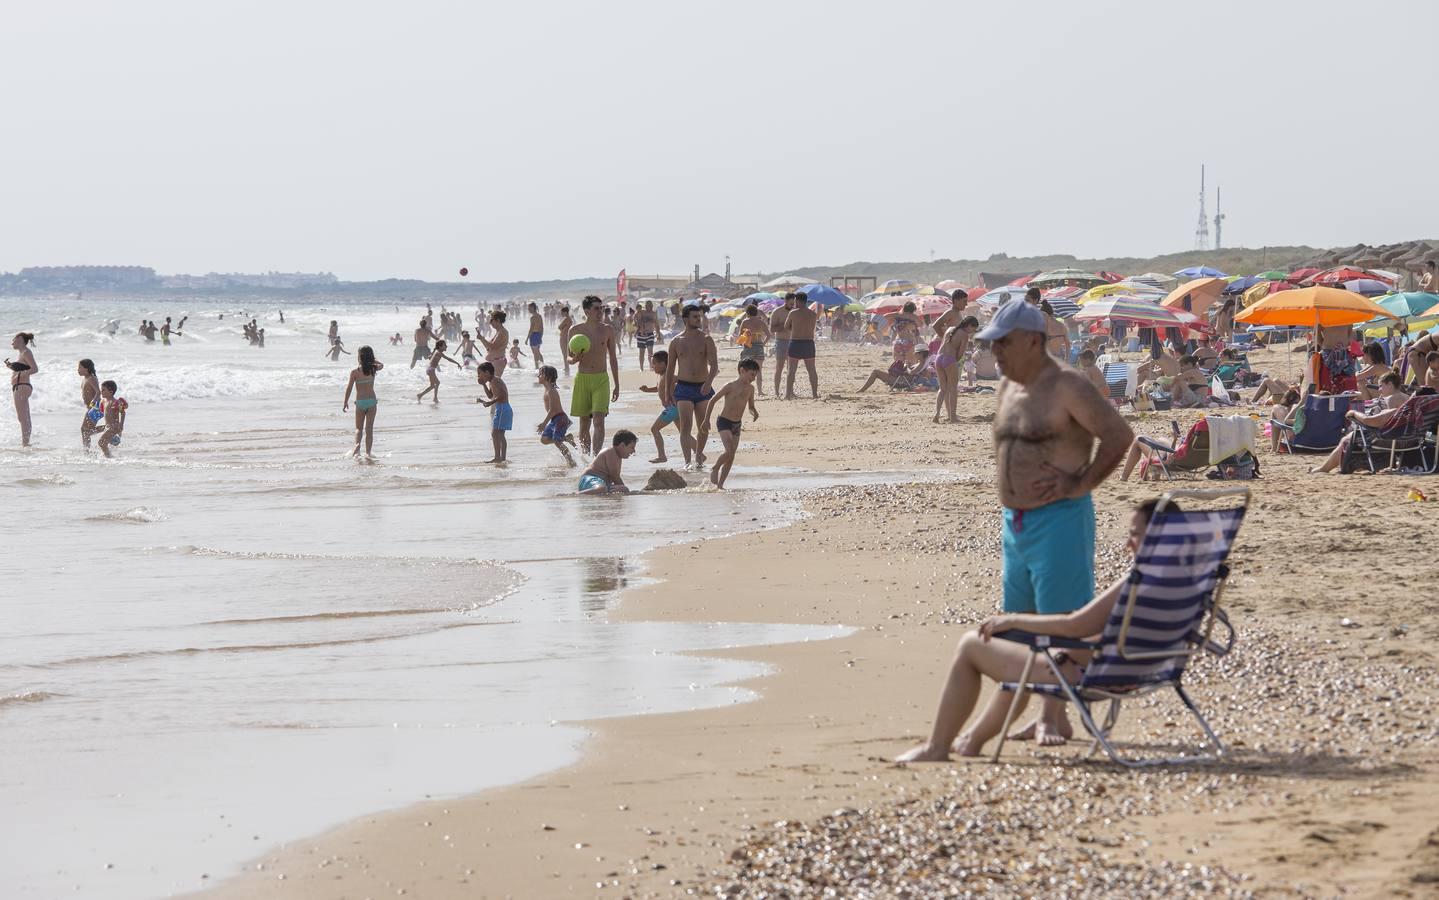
[[1229, 435]]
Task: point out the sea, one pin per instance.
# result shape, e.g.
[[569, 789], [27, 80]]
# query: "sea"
[[233, 635]]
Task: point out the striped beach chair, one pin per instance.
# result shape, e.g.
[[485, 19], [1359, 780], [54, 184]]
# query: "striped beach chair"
[[1167, 615], [1122, 379]]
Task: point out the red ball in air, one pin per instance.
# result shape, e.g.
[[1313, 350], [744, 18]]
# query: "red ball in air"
[[464, 271]]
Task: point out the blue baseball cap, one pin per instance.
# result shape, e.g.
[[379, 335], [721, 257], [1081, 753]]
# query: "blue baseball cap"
[[1016, 315]]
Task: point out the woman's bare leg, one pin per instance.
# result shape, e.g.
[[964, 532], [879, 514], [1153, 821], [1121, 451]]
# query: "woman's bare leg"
[[22, 412]]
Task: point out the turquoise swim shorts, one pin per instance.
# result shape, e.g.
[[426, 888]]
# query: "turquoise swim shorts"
[[1049, 557], [588, 482]]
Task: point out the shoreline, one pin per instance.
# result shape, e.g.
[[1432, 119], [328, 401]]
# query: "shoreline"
[[661, 804]]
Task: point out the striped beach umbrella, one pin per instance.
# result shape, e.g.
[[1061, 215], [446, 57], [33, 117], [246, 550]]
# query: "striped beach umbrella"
[[1129, 308], [896, 286]]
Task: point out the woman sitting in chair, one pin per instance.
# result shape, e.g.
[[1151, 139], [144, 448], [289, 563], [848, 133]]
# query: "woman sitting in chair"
[[978, 658]]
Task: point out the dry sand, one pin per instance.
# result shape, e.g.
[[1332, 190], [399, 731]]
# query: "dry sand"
[[1329, 702]]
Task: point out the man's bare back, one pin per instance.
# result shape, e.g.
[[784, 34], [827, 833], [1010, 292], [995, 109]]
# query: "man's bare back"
[[1044, 435], [801, 323]]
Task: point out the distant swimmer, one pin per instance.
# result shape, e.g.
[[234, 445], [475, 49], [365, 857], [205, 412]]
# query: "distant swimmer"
[[337, 347], [603, 475], [166, 330], [669, 413], [111, 328], [646, 326], [20, 387], [282, 317], [397, 340], [433, 371], [496, 344], [362, 382], [565, 324], [537, 335], [802, 322], [555, 426], [115, 412], [732, 400], [334, 330], [90, 397], [260, 338], [692, 366], [592, 391], [423, 336], [502, 415]]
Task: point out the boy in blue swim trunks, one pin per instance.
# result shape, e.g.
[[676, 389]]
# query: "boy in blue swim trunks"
[[603, 475], [502, 415], [555, 425], [669, 413]]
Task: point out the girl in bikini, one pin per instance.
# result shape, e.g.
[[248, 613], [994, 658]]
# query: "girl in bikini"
[[20, 386], [433, 371], [362, 382], [952, 349], [90, 396]]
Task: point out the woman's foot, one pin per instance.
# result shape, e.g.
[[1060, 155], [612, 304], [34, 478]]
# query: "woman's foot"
[[660, 459], [922, 753]]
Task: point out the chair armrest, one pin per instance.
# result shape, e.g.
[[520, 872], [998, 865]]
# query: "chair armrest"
[[1156, 443], [1041, 641], [1275, 423]]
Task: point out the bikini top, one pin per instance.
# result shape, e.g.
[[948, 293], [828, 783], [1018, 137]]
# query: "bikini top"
[[369, 380]]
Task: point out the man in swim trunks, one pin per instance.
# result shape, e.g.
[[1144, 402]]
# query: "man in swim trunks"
[[423, 336], [691, 369], [801, 322], [779, 327], [1045, 428], [646, 325], [537, 335], [592, 393]]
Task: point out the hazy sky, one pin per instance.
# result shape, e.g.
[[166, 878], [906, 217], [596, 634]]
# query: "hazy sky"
[[530, 140]]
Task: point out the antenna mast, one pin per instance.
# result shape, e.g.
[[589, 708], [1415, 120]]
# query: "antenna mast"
[[1201, 232], [1218, 218]]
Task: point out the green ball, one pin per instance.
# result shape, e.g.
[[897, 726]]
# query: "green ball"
[[579, 344]]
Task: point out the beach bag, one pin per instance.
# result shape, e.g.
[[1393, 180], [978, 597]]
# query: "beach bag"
[[1243, 466]]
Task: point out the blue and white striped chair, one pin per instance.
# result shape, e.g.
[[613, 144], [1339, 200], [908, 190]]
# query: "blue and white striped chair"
[[1166, 616]]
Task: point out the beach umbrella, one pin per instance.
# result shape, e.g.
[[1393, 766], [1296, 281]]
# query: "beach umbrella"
[[1241, 283], [1129, 308], [1021, 281], [1409, 304], [1264, 289], [883, 306], [1313, 307], [1066, 276], [1201, 292], [896, 286], [1340, 274], [825, 296], [1299, 276], [1274, 275], [853, 307], [1156, 279], [1063, 307], [761, 296], [786, 282], [1431, 311], [949, 285], [1369, 287], [1199, 272]]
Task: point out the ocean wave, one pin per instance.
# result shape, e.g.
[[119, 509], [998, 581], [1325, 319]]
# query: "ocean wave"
[[54, 479], [27, 697], [140, 515]]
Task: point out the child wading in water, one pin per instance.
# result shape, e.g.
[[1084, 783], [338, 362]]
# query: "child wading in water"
[[669, 413], [434, 371], [90, 396], [515, 352], [115, 409], [734, 396], [502, 415], [554, 428], [362, 382], [603, 475]]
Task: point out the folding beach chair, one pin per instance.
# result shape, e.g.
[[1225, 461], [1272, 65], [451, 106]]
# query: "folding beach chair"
[[1190, 455], [1410, 432], [1166, 616], [1318, 425], [1122, 379]]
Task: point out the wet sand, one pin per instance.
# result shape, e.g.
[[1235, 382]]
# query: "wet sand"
[[1329, 703]]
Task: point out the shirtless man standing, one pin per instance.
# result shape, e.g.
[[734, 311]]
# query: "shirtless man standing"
[[646, 324], [779, 327], [593, 392], [537, 335], [1047, 421], [801, 322], [423, 336], [566, 323], [692, 367], [951, 317]]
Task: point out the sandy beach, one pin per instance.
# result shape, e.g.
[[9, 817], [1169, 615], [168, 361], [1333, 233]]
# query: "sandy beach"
[[1328, 702]]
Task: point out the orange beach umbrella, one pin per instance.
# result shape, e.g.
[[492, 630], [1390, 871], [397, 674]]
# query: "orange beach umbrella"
[[1313, 307], [1201, 292]]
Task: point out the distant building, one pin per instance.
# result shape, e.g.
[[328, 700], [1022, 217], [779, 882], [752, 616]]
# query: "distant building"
[[271, 280], [73, 278]]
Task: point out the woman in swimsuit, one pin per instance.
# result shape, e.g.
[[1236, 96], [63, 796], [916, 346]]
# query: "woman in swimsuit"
[[20, 386], [90, 396], [952, 349], [905, 328], [496, 346], [434, 371], [362, 381]]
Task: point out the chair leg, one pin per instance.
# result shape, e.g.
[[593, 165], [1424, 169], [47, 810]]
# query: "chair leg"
[[1014, 706], [1219, 748]]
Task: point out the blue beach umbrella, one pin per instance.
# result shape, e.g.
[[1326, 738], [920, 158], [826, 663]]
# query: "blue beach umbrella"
[[825, 296], [1243, 283], [1199, 272]]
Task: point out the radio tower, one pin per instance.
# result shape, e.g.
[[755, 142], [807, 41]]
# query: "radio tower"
[[1201, 233], [1218, 218]]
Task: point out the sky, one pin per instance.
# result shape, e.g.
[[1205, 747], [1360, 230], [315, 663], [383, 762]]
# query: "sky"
[[562, 139]]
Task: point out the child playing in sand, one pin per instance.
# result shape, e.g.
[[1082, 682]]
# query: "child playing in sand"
[[603, 475], [115, 410], [553, 429], [515, 353], [502, 415], [433, 371], [734, 396], [669, 413]]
